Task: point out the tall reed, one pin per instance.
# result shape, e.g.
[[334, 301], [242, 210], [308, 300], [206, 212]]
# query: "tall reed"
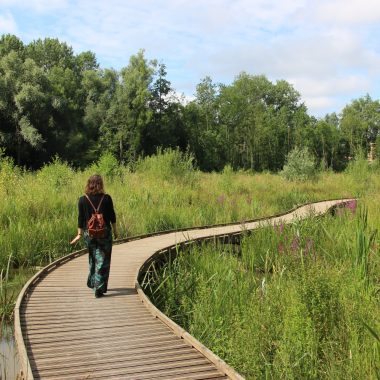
[[296, 301], [38, 212]]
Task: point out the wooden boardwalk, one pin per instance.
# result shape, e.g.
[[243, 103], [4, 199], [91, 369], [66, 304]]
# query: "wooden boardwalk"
[[64, 332]]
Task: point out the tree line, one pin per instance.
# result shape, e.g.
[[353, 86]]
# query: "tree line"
[[54, 102]]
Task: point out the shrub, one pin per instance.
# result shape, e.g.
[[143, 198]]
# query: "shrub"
[[56, 174], [107, 166], [300, 165], [168, 164], [9, 174]]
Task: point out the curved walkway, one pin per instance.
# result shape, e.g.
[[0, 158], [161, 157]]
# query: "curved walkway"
[[63, 332]]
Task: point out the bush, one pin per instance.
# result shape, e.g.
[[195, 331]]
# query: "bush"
[[9, 174], [300, 165], [168, 164], [56, 174], [107, 166]]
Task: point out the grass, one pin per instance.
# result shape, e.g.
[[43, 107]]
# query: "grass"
[[293, 302], [257, 293], [38, 210]]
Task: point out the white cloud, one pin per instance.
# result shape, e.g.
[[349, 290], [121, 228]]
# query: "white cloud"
[[318, 103], [7, 23], [35, 5], [351, 12], [326, 95], [342, 85], [329, 49]]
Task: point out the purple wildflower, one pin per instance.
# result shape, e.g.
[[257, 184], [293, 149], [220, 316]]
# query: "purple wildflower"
[[295, 244], [352, 205], [281, 248]]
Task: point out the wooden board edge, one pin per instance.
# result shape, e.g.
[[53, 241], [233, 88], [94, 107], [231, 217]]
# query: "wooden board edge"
[[23, 356], [183, 334]]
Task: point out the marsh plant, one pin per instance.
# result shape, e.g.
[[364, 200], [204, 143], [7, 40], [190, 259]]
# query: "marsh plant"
[[298, 301], [38, 212]]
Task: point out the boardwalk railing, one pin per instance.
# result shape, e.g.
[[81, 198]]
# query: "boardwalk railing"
[[41, 320]]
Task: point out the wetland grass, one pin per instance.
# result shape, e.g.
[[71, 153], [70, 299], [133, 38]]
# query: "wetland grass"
[[297, 301], [38, 218]]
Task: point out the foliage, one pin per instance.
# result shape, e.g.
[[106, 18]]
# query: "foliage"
[[9, 174], [360, 123], [53, 101], [360, 171], [300, 165], [39, 209], [168, 165], [107, 166], [129, 112], [162, 191], [56, 175], [290, 303]]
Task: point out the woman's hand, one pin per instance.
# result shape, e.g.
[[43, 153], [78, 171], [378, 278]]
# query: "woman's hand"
[[76, 239], [114, 230]]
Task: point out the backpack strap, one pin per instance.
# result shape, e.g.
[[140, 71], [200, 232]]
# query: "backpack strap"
[[100, 203]]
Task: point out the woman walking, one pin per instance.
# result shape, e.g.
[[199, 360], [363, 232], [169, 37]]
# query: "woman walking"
[[97, 207]]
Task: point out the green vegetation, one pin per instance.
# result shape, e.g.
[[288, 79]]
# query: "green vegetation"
[[299, 166], [301, 301], [296, 301], [160, 192], [55, 102], [39, 209]]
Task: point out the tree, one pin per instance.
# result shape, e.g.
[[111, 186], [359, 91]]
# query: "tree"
[[129, 111], [22, 105], [165, 128], [260, 120], [360, 123], [300, 165], [9, 43], [204, 132], [100, 88]]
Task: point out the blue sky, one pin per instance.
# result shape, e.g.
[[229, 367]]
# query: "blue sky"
[[328, 49]]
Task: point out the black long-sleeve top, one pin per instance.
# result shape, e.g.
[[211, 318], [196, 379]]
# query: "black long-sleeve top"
[[85, 209]]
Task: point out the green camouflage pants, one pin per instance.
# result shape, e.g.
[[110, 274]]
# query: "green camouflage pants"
[[99, 260]]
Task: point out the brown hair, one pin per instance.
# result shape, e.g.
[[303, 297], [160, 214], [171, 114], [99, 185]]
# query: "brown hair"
[[94, 185]]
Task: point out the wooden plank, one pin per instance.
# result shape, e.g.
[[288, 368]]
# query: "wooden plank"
[[141, 370], [39, 309], [207, 375], [42, 328], [120, 361], [82, 315], [123, 352], [79, 334], [134, 346], [57, 320], [133, 335], [64, 329], [89, 300], [211, 374]]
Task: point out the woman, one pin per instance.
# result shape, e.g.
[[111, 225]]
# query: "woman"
[[99, 248]]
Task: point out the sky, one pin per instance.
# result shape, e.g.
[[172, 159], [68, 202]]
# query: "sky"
[[329, 50]]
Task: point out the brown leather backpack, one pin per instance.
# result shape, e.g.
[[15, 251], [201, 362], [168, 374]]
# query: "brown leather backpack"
[[96, 225]]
